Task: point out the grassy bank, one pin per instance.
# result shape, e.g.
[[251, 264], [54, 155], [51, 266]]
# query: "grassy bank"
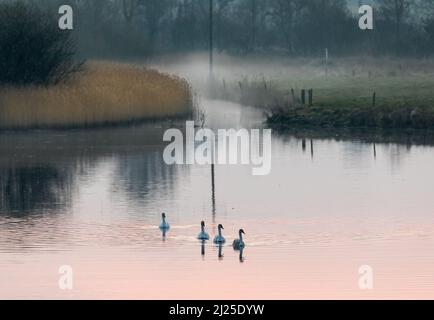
[[104, 93], [399, 117], [404, 91]]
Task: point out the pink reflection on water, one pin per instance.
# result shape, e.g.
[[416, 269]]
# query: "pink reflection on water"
[[325, 267]]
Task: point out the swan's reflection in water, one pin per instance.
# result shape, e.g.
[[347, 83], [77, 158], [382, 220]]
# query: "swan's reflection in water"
[[221, 255], [164, 234], [242, 255], [220, 252], [202, 249]]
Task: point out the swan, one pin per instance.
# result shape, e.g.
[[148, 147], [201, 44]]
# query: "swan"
[[203, 235], [220, 239], [239, 243], [164, 225]]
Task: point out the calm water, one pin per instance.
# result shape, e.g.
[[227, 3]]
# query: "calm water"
[[92, 200]]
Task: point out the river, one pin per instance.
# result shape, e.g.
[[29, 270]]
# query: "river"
[[92, 200]]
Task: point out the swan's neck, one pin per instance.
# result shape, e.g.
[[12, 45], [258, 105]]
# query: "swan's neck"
[[220, 232], [164, 220], [241, 236], [203, 229]]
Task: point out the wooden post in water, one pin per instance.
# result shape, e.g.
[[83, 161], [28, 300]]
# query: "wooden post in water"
[[303, 96], [293, 95], [374, 99], [375, 151], [310, 97], [303, 145]]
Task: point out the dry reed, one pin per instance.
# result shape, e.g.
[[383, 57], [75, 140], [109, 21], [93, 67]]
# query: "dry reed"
[[104, 93]]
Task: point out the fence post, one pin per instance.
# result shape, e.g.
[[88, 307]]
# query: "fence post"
[[303, 96], [310, 97]]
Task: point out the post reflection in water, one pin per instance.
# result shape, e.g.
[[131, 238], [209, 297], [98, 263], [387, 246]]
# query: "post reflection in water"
[[213, 198], [311, 149], [303, 145]]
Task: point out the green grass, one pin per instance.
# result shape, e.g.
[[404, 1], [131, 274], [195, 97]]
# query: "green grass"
[[415, 91], [402, 86]]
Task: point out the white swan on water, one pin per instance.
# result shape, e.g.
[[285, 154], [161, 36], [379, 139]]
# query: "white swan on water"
[[164, 224], [239, 244], [203, 235], [219, 239]]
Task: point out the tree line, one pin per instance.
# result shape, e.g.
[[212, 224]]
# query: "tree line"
[[290, 27]]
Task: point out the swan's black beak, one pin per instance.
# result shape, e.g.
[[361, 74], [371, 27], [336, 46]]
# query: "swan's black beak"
[[242, 231]]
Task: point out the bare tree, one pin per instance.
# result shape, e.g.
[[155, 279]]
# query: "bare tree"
[[129, 9], [397, 10], [33, 51], [154, 12]]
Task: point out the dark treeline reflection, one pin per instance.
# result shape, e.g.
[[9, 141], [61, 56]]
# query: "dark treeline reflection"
[[44, 171], [295, 27], [34, 189], [399, 137], [145, 176]]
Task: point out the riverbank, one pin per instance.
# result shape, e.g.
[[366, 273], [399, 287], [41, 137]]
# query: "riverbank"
[[375, 92], [387, 117], [104, 93], [388, 94]]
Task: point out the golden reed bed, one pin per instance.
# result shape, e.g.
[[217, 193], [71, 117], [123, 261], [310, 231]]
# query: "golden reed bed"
[[104, 93]]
